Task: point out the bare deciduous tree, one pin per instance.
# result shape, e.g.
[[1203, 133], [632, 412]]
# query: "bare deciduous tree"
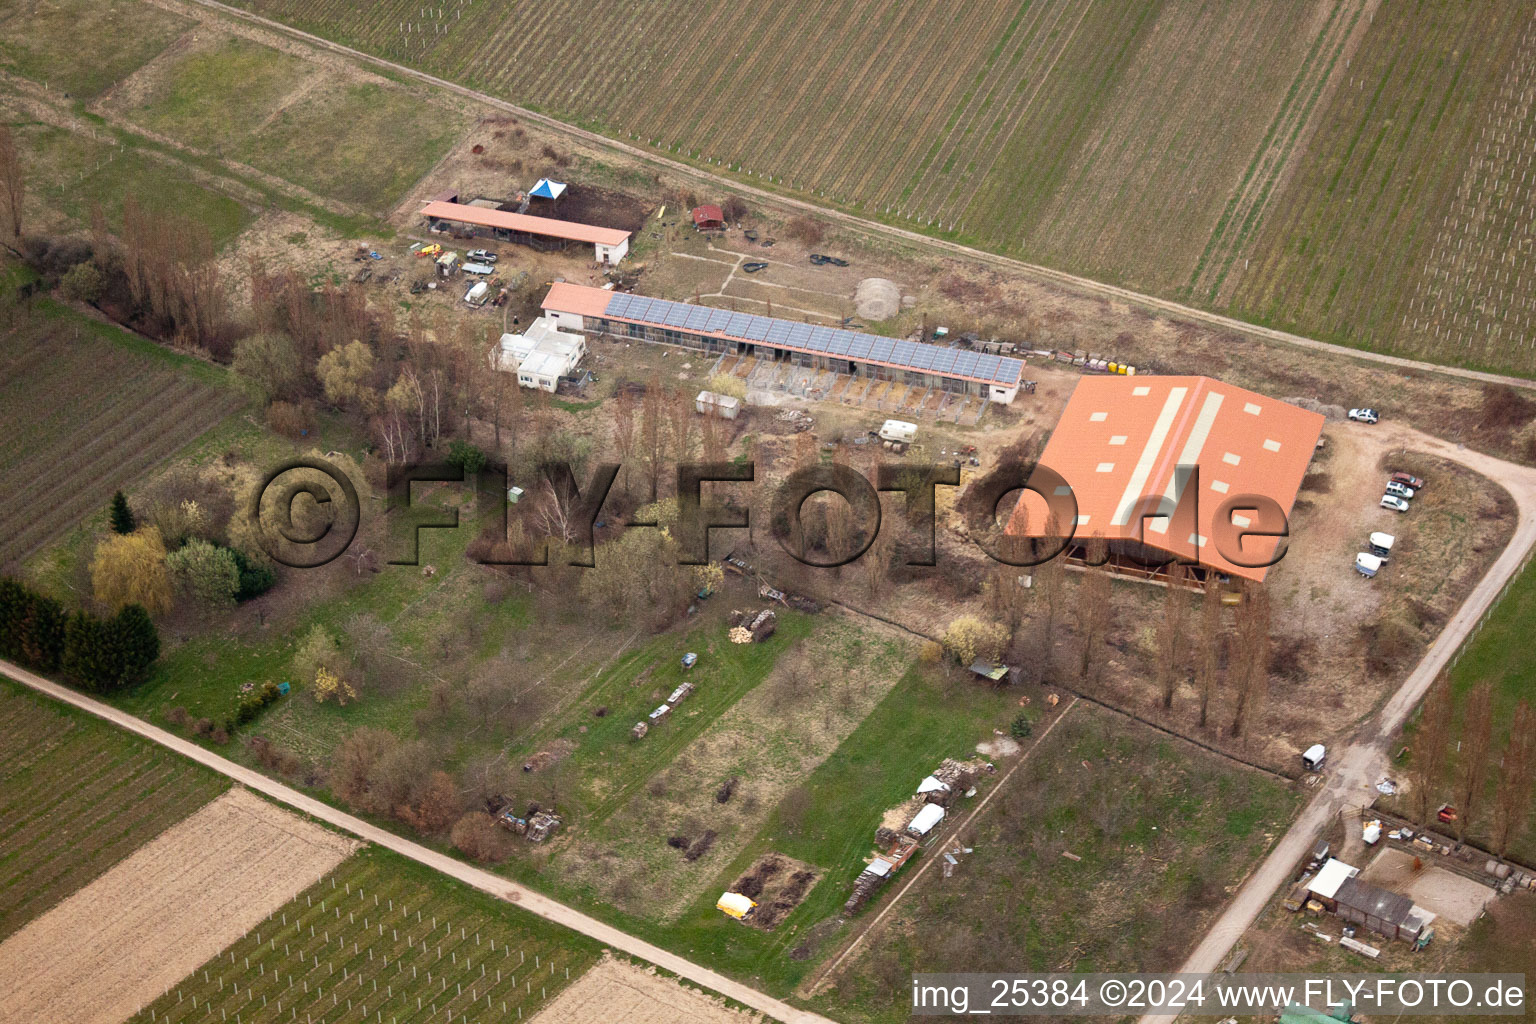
[[1251, 658], [1093, 611], [1473, 757], [1516, 779], [13, 181], [651, 440], [1208, 669], [1170, 638], [1429, 747], [624, 431]]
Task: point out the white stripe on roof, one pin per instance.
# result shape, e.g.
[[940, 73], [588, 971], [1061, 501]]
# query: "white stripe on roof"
[[1149, 454], [1190, 456]]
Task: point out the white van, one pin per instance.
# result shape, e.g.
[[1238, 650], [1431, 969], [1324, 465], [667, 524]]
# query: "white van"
[[1312, 758], [1367, 565], [898, 431]]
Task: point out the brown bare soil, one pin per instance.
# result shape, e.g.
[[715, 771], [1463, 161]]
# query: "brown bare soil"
[[616, 990], [590, 204], [778, 884], [120, 942]]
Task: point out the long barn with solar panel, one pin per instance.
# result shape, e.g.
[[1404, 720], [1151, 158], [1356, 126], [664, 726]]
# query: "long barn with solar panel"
[[598, 311]]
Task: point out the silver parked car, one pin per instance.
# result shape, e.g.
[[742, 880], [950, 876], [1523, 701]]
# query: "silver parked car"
[[1394, 503]]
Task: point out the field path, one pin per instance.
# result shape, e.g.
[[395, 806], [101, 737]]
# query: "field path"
[[533, 902], [1353, 771], [1072, 281], [117, 944]]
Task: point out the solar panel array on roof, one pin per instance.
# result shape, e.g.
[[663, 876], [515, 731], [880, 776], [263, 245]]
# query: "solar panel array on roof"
[[831, 341]]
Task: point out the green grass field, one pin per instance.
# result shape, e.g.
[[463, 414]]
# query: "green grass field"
[[1502, 655], [213, 98], [773, 731], [1163, 831], [86, 409], [365, 144], [383, 939], [828, 821], [76, 797], [82, 46], [75, 175]]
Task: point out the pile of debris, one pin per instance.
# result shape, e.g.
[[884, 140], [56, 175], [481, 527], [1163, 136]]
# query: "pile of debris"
[[961, 775], [542, 825], [538, 826], [800, 421], [749, 627]]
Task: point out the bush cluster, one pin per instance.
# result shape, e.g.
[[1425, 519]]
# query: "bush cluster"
[[250, 704]]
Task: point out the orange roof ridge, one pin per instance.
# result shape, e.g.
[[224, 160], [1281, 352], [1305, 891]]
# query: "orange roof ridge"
[[508, 221]]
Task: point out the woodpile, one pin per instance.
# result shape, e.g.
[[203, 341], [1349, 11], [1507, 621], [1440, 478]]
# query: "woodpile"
[[752, 627]]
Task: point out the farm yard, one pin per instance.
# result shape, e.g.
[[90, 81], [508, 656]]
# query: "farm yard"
[[1351, 184], [1319, 166], [125, 938], [381, 938], [65, 458], [77, 797]]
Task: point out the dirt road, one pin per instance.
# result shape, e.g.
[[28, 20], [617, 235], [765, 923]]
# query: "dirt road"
[[1073, 281], [1352, 772], [526, 898]]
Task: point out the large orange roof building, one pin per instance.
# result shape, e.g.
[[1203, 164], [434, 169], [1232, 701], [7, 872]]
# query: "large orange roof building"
[[1124, 440]]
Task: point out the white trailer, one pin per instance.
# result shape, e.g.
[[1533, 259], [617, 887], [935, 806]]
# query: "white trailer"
[[897, 431]]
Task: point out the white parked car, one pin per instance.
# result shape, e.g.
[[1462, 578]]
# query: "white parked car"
[[1364, 415], [1394, 503], [1401, 490], [482, 256]]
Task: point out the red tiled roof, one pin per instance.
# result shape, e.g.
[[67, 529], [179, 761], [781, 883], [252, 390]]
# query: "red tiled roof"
[[708, 213], [507, 221], [1122, 438], [564, 297]]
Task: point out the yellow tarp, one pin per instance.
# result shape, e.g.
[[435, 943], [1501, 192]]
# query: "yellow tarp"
[[734, 904]]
